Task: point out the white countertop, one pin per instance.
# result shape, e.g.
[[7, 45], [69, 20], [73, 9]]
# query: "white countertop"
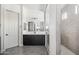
[[32, 33]]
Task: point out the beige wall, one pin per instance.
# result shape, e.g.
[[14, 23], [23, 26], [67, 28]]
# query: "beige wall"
[[70, 29]]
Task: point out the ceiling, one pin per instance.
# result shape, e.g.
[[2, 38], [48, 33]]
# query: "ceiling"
[[40, 7]]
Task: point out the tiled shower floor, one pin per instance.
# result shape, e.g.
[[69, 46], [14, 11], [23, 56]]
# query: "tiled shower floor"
[[66, 51]]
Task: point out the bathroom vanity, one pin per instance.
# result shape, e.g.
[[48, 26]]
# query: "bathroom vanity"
[[34, 34], [34, 39], [33, 28]]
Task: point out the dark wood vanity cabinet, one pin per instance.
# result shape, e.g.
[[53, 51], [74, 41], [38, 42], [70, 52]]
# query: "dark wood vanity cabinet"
[[33, 39]]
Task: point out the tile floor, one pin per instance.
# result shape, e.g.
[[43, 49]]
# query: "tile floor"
[[27, 50], [34, 50], [66, 51]]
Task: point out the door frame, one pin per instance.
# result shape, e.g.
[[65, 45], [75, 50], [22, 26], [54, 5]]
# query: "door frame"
[[17, 25], [2, 28]]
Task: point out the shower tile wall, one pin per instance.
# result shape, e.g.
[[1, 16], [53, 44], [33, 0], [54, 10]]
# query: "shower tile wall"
[[70, 29]]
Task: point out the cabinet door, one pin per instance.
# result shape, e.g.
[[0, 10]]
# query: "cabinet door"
[[34, 39]]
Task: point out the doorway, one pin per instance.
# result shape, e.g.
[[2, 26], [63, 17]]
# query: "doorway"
[[33, 26]]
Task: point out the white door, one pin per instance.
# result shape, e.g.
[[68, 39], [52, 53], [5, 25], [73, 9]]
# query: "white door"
[[10, 29]]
